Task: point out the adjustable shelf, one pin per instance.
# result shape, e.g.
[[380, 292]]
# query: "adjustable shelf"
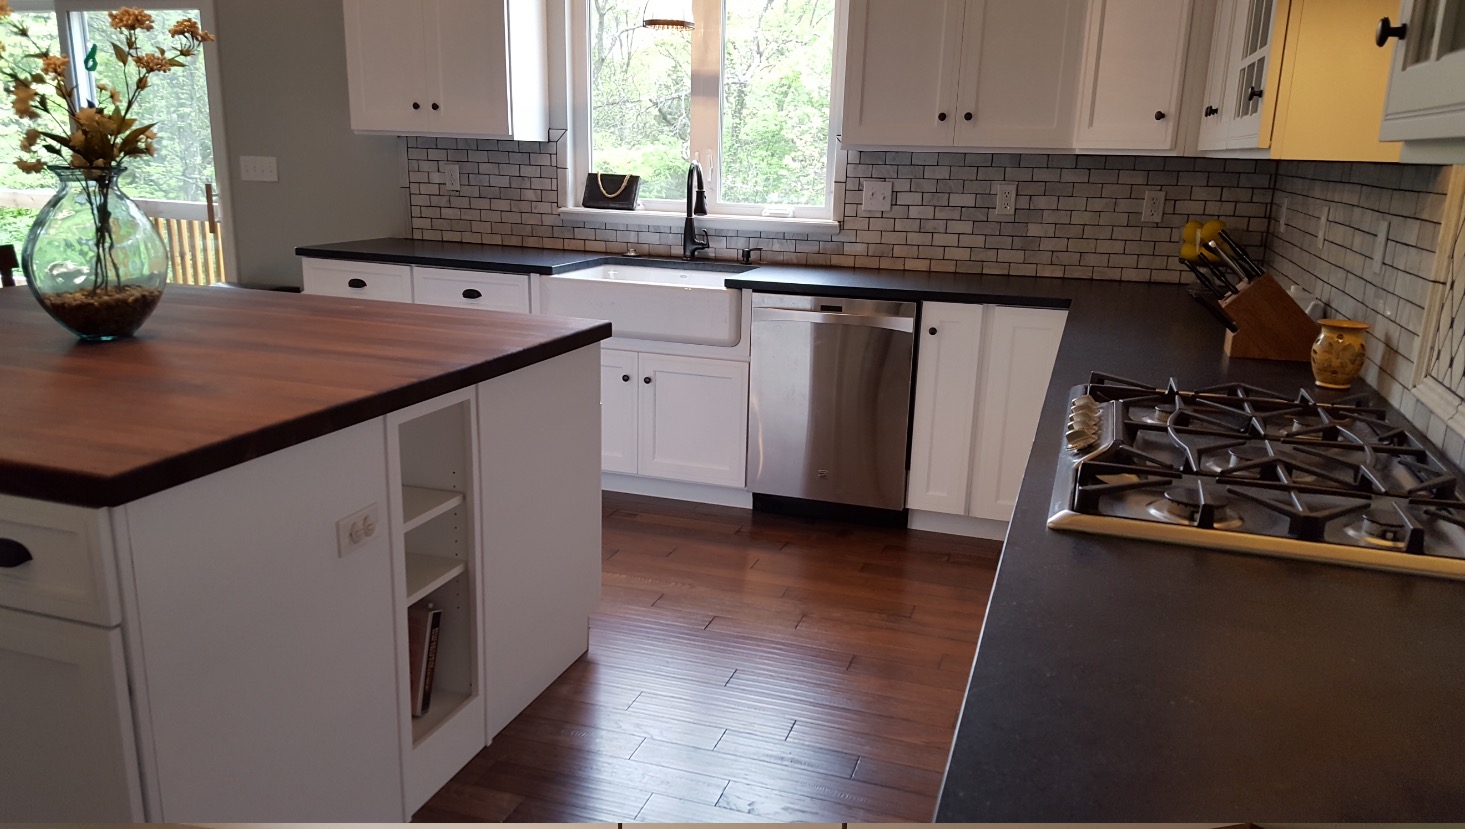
[[421, 504], [427, 573]]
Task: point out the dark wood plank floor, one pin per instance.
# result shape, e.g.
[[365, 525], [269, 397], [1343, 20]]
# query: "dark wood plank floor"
[[746, 667]]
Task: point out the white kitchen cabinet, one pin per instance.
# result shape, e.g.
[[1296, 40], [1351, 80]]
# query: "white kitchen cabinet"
[[357, 280], [620, 398], [1133, 74], [693, 419], [1426, 97], [972, 73], [947, 372], [1246, 86], [67, 751], [980, 382], [1214, 124], [1020, 347], [448, 67], [470, 289]]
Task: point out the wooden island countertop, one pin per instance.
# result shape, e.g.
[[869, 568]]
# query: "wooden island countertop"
[[218, 376]]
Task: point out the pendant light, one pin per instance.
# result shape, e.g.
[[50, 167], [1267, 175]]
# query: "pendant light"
[[675, 15]]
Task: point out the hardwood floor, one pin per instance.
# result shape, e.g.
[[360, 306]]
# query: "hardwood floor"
[[746, 667]]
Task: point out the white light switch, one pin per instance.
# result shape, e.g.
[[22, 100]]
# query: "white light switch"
[[875, 195], [258, 168]]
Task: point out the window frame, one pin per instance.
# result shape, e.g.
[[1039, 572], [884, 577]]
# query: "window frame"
[[706, 134]]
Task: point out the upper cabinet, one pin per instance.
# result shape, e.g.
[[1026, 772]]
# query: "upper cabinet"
[[1133, 74], [964, 73], [1426, 98], [473, 68]]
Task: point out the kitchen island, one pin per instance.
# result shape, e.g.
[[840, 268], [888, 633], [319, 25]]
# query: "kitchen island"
[[1127, 680], [210, 536]]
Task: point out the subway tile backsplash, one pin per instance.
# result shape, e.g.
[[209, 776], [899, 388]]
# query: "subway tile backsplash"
[[1077, 217]]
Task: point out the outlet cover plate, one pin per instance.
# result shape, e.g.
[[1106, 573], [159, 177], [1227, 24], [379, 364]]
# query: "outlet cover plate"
[[357, 530], [258, 168], [875, 196], [1154, 208], [452, 178], [1006, 192]]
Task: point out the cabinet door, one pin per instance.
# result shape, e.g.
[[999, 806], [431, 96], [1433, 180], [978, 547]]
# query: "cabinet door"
[[1019, 348], [900, 81], [694, 419], [1426, 96], [1246, 88], [619, 396], [1218, 73], [467, 66], [1019, 73], [1134, 68], [270, 658], [941, 423], [67, 753], [385, 66]]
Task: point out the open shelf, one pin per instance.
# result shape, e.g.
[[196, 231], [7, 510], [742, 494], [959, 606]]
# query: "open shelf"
[[420, 505], [443, 705], [427, 573]]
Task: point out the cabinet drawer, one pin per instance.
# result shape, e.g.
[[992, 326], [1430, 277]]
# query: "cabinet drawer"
[[70, 571], [361, 280], [471, 289]]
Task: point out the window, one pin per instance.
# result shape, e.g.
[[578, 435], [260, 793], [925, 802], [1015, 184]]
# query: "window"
[[747, 94]]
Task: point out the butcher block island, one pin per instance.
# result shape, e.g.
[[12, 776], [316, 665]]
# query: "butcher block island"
[[211, 536]]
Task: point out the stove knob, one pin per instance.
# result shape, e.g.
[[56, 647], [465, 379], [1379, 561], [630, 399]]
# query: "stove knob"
[[1079, 439]]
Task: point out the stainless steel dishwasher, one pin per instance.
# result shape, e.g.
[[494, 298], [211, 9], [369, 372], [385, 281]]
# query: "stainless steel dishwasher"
[[830, 401]]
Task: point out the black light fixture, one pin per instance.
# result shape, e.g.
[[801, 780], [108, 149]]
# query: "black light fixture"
[[673, 15]]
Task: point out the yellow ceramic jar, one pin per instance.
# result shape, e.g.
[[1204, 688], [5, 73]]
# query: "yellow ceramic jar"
[[1338, 353]]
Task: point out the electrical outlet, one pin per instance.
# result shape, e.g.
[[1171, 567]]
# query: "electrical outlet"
[[1322, 227], [1380, 241], [357, 530], [1006, 192], [258, 168], [452, 178], [1154, 209], [1282, 214], [875, 196]]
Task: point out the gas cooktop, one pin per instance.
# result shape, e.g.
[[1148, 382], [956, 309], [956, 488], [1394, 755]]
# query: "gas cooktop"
[[1240, 468]]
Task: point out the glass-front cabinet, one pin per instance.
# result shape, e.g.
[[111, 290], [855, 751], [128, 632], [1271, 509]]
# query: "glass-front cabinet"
[[1427, 84]]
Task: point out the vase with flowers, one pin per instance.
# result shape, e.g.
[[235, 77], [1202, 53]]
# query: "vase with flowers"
[[92, 259]]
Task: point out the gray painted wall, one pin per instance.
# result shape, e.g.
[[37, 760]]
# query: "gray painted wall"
[[283, 69]]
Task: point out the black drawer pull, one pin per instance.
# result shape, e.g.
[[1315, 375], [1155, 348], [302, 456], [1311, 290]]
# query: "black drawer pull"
[[416, 105], [473, 293], [1386, 30], [355, 282], [933, 332], [1210, 110], [941, 117], [1159, 115], [646, 380], [625, 378], [435, 107], [13, 553]]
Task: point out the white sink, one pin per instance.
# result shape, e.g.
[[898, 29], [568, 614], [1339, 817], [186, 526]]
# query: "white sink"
[[671, 304]]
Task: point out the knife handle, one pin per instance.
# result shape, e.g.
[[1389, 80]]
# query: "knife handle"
[[1211, 304]]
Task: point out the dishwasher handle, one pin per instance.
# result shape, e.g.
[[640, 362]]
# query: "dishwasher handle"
[[831, 318]]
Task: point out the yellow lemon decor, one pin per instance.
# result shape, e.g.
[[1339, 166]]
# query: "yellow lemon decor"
[[1338, 353]]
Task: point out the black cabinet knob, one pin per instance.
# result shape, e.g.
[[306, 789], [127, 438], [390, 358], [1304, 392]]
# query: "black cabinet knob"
[[967, 117], [13, 553], [435, 107], [646, 380], [1210, 110], [355, 283], [941, 117], [625, 378], [932, 331], [1159, 115], [1385, 31], [472, 293], [416, 105], [1253, 93]]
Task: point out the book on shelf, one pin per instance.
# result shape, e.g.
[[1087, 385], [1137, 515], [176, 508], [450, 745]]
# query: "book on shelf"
[[424, 622]]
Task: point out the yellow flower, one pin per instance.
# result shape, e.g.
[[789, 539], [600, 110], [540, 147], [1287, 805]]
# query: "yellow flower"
[[131, 19], [55, 65], [29, 165], [188, 27], [150, 62], [23, 100]]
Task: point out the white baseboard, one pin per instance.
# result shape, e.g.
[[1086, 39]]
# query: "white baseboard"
[[676, 490], [940, 522]]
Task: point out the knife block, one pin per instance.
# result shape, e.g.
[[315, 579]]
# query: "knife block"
[[1270, 324]]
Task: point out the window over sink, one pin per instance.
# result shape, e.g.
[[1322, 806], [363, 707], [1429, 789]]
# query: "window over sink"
[[746, 93]]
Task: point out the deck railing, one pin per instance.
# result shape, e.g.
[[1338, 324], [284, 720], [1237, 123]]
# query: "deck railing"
[[195, 244]]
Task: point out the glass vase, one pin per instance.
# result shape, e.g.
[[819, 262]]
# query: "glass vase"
[[92, 258]]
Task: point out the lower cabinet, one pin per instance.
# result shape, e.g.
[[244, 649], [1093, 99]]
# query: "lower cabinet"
[[449, 287], [980, 381], [682, 418]]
